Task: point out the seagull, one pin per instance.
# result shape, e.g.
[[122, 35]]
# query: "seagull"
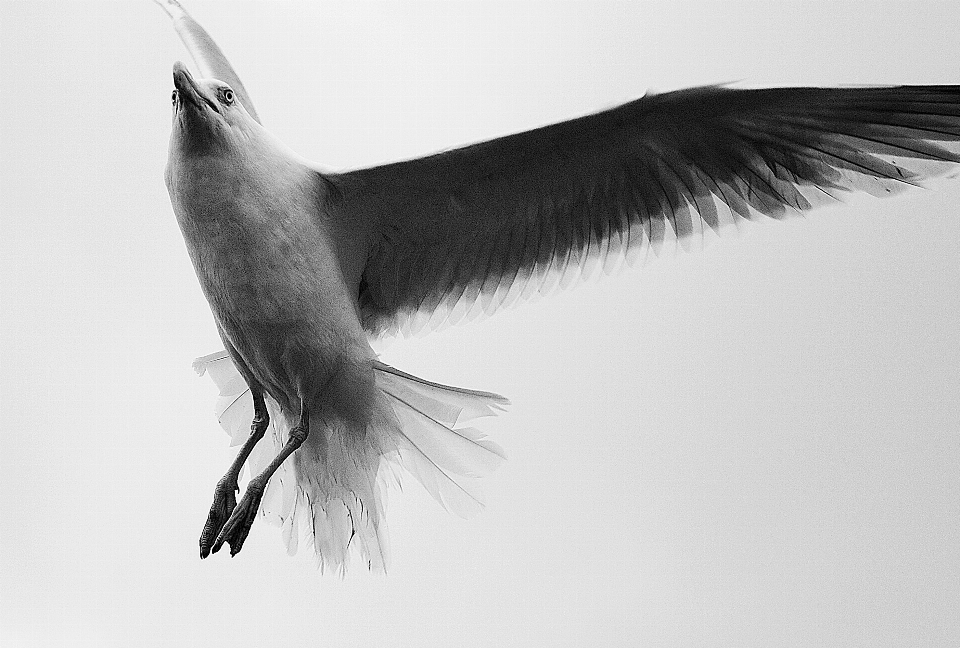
[[303, 268]]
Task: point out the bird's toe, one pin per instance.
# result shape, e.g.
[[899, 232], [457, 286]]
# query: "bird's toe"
[[224, 503], [237, 528]]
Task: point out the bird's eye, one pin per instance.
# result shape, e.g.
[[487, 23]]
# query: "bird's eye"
[[227, 95], [173, 97]]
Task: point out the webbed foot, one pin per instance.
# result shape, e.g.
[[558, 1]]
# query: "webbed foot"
[[237, 528], [224, 503]]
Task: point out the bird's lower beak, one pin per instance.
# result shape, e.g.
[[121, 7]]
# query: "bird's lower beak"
[[187, 88]]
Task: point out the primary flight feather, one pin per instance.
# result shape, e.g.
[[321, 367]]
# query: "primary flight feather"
[[303, 268]]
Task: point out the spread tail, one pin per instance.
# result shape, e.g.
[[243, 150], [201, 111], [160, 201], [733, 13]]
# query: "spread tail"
[[332, 491]]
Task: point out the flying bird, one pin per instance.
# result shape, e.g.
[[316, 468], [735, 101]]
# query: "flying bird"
[[303, 268]]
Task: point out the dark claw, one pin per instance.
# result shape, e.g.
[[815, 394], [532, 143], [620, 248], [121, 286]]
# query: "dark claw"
[[237, 528], [224, 503]]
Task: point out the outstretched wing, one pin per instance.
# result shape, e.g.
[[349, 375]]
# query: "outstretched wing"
[[206, 53], [473, 228]]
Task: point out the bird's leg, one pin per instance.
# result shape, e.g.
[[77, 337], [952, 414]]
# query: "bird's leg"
[[224, 495], [238, 526]]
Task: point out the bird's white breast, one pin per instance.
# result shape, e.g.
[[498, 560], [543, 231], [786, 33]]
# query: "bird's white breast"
[[256, 234]]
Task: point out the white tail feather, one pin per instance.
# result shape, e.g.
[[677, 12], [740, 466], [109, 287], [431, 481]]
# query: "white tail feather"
[[332, 491]]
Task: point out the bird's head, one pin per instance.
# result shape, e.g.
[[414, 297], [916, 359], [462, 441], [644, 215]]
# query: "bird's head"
[[208, 118]]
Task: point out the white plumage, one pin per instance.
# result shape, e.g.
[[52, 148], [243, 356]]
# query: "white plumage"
[[420, 429]]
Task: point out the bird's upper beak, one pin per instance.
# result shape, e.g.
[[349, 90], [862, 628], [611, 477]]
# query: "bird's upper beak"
[[188, 90]]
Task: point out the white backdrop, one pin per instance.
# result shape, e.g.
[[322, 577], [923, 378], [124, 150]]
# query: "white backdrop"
[[753, 445]]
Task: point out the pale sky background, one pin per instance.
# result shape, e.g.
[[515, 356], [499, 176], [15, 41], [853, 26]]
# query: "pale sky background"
[[753, 445]]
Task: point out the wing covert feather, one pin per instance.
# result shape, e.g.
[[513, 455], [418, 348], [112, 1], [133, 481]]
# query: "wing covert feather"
[[474, 228]]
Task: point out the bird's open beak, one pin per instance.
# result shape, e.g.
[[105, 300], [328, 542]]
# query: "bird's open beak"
[[188, 90]]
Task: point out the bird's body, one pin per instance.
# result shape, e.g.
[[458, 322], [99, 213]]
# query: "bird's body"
[[269, 252], [302, 268], [266, 253]]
